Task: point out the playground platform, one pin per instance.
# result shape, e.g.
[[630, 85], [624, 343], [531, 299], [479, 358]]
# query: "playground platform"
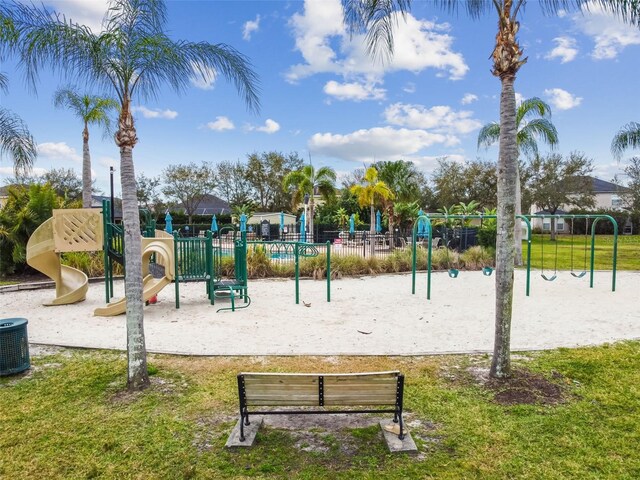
[[366, 316]]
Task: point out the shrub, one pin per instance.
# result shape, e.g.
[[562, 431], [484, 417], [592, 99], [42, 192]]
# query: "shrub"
[[477, 257]]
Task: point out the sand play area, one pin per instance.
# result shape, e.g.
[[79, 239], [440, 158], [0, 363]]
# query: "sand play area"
[[367, 316]]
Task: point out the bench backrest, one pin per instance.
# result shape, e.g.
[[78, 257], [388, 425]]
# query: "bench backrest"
[[312, 389]]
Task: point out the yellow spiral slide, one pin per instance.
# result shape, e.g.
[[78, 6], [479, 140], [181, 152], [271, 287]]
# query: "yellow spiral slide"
[[44, 256]]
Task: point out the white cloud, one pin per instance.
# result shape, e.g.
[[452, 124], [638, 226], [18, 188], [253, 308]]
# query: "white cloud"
[[354, 91], [155, 113], [565, 49], [519, 98], [327, 47], [221, 124], [9, 173], [250, 27], [58, 151], [409, 87], [204, 79], [84, 12], [468, 98], [108, 162], [378, 143], [440, 118], [270, 126], [561, 99], [609, 33]]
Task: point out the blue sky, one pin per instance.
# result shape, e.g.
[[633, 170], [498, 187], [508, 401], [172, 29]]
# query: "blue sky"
[[322, 96]]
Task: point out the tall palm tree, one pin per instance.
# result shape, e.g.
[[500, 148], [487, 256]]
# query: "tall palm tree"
[[131, 58], [379, 18], [91, 109], [308, 181], [628, 137], [403, 179], [369, 193], [532, 124]]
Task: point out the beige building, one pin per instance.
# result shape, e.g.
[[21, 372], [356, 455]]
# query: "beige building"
[[607, 196]]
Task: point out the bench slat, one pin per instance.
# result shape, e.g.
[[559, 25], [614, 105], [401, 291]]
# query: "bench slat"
[[279, 387]]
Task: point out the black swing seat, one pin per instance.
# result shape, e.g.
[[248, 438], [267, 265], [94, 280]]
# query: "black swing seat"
[[549, 279], [579, 274]]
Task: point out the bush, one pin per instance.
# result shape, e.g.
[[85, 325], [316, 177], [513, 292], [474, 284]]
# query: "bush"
[[91, 263]]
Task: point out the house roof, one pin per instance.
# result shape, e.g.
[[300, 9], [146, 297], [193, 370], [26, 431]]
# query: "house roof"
[[96, 201], [602, 186], [546, 212], [210, 204]]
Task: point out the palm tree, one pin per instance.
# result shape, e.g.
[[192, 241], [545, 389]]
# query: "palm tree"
[[132, 58], [532, 123], [91, 109], [369, 193], [378, 18], [628, 137], [403, 179], [308, 181]]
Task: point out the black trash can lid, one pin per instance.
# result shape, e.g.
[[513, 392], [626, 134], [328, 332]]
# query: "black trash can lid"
[[8, 324]]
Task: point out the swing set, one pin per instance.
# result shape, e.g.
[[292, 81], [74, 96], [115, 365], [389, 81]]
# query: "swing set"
[[574, 272], [488, 270]]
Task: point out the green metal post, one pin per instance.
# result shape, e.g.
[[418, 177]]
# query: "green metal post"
[[430, 238], [414, 258], [615, 248], [105, 246], [328, 271], [526, 220], [296, 256], [176, 261], [209, 257], [615, 252]]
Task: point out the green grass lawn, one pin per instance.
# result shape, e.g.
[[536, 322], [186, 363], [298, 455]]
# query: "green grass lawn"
[[628, 252], [71, 418]]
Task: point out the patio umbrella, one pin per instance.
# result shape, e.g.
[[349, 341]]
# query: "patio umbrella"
[[282, 221], [352, 224], [214, 224], [243, 223], [303, 228], [168, 226], [378, 222]]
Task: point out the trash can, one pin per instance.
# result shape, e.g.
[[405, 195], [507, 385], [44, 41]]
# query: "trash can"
[[14, 346]]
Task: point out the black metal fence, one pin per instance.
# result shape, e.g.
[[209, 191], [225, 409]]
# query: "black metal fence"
[[343, 243]]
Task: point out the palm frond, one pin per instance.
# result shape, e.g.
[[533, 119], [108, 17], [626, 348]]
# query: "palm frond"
[[16, 142], [533, 106], [488, 135], [628, 137], [543, 129], [377, 19]]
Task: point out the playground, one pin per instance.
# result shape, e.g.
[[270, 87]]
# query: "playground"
[[201, 313], [366, 316]]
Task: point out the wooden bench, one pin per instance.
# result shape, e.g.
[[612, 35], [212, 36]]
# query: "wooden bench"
[[379, 389]]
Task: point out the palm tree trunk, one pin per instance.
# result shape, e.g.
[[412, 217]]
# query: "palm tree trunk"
[[86, 169], [518, 229], [137, 375], [507, 179]]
